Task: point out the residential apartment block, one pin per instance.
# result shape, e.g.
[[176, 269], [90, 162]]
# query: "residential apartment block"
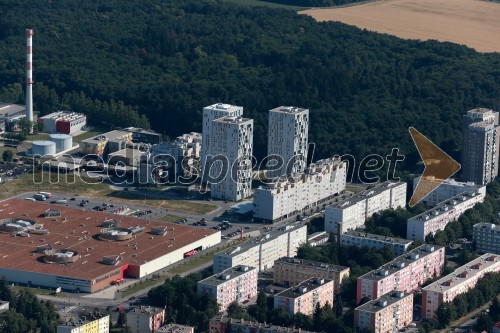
[[288, 138], [480, 139], [419, 226], [210, 113], [487, 237], [447, 190], [291, 271], [145, 319], [175, 328], [304, 296], [292, 195], [456, 283], [232, 138], [352, 213], [221, 324], [405, 273], [262, 251], [93, 323], [359, 238], [238, 284], [386, 314]]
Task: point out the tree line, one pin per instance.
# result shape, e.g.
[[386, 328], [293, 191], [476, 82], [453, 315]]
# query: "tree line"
[[363, 89]]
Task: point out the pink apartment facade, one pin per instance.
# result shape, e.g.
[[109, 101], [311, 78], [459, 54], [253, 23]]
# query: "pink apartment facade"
[[460, 281], [405, 273], [387, 314], [238, 283], [304, 297]]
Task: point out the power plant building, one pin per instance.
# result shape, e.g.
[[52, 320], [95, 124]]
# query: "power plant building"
[[63, 122]]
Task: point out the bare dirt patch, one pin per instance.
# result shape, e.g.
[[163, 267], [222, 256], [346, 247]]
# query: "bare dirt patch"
[[474, 23]]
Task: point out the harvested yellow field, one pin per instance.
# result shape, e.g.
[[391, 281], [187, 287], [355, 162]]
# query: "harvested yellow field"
[[475, 23]]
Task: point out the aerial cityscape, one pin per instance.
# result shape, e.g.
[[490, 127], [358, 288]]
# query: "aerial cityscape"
[[250, 166]]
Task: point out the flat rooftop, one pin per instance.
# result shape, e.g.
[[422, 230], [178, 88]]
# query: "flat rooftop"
[[310, 263], [288, 109], [227, 275], [175, 328], [465, 273], [401, 262], [303, 288], [7, 109], [444, 207], [77, 230], [267, 237], [368, 193], [383, 301], [223, 107], [108, 136], [232, 120], [80, 322], [487, 226], [385, 239]]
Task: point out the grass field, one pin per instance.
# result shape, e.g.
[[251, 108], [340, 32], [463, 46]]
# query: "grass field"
[[76, 186], [34, 137], [470, 22], [169, 218], [86, 135], [41, 291]]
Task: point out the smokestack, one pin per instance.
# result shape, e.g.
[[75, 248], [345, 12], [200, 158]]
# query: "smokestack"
[[29, 76]]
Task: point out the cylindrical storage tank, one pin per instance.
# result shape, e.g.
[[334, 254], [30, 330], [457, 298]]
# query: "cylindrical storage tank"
[[63, 141], [43, 148]]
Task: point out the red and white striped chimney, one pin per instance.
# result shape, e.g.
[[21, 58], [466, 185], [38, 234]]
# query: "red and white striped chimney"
[[29, 76]]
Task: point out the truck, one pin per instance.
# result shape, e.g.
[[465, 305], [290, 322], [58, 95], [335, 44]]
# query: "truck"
[[46, 194], [39, 197]]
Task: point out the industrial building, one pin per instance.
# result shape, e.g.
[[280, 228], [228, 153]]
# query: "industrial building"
[[289, 196], [262, 251], [304, 297], [141, 135], [224, 324], [360, 239], [460, 281], [480, 146], [432, 220], [210, 113], [106, 143], [232, 138], [352, 213], [92, 323], [63, 122], [9, 113], [291, 271], [236, 284], [447, 190], [145, 319], [405, 273], [288, 132], [81, 251], [318, 238], [389, 313], [486, 237]]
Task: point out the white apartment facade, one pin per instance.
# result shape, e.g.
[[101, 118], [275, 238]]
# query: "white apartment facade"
[[232, 138], [210, 113], [460, 281], [352, 213], [418, 227], [486, 237], [448, 189], [145, 319], [238, 284], [292, 195], [288, 138], [304, 297], [360, 239], [261, 252]]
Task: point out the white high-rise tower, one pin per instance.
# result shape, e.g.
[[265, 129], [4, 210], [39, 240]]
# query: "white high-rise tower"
[[29, 77], [288, 137], [211, 113], [232, 137]]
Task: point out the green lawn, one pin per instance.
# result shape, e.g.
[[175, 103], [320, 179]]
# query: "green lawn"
[[169, 218], [86, 135], [139, 286], [35, 137], [41, 291]]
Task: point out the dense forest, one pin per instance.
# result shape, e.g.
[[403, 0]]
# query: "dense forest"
[[127, 62], [315, 3]]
